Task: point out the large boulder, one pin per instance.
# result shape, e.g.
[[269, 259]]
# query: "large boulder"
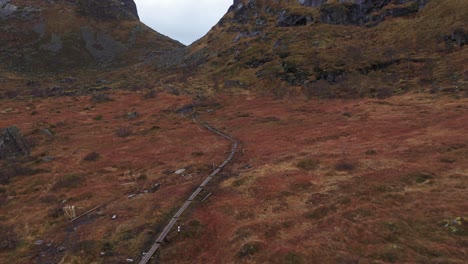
[[12, 143], [459, 36], [6, 8]]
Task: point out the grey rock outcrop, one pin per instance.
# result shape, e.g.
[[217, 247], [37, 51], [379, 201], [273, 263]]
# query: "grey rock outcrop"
[[101, 46], [12, 143], [6, 8], [109, 9], [312, 3], [293, 20], [335, 12], [367, 12], [459, 36]]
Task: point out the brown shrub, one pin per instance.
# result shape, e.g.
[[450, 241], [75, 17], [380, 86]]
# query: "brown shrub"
[[150, 94], [308, 164], [9, 239], [93, 156], [68, 182], [293, 258], [100, 98], [344, 165], [123, 132], [14, 168], [249, 249], [384, 93]]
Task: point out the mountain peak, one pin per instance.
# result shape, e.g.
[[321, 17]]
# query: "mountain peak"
[[57, 36], [109, 9]]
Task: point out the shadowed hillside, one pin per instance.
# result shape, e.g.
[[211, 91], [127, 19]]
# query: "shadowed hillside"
[[60, 36]]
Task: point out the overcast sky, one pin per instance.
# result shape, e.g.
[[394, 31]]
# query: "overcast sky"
[[182, 20]]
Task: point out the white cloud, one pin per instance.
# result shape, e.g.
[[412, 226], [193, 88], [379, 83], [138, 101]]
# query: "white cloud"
[[183, 20]]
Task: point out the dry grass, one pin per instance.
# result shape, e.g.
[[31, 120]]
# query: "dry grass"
[[292, 197], [379, 205], [125, 167]]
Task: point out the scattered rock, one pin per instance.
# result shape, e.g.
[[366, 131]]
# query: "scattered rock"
[[186, 109], [132, 115], [232, 83], [154, 188], [180, 171], [48, 159], [101, 82], [47, 132], [68, 80], [458, 225]]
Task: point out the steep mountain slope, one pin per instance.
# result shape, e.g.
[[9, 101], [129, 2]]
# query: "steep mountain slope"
[[62, 36], [343, 48]]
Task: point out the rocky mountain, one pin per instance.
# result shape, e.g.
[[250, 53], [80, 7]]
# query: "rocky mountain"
[[100, 147], [66, 35], [316, 48], [344, 48]]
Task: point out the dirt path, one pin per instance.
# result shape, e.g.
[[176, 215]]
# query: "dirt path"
[[187, 203]]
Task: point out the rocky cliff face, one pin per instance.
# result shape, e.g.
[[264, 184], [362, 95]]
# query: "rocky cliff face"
[[63, 35], [103, 9], [336, 47], [342, 12], [109, 9]]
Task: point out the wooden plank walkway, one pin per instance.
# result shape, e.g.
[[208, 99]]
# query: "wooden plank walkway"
[[187, 203]]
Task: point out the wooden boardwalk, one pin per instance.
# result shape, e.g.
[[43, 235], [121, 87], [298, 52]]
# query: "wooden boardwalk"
[[175, 217]]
